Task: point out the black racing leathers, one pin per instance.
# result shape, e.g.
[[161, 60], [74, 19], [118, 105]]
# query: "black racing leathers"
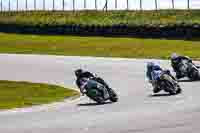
[[81, 76], [175, 64]]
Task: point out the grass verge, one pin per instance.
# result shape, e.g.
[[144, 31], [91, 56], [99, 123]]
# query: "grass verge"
[[96, 46], [23, 94]]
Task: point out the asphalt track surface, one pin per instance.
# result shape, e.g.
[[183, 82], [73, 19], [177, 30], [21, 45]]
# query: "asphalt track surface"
[[136, 112]]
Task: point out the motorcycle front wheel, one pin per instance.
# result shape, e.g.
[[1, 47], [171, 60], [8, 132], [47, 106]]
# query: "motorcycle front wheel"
[[170, 88], [113, 96]]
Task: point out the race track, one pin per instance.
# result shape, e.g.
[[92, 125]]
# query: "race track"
[[136, 112]]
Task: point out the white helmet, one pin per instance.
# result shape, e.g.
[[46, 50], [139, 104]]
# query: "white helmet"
[[174, 55]]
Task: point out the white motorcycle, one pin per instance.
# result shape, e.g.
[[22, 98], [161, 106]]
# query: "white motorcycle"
[[188, 69]]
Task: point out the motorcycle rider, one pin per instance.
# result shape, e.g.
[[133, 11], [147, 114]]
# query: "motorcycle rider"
[[82, 75], [154, 72], [175, 60]]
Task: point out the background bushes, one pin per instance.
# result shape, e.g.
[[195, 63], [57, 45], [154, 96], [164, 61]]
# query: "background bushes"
[[152, 24]]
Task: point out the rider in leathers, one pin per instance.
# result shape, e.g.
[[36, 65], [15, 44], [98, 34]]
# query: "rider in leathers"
[[175, 60], [154, 73], [81, 75]]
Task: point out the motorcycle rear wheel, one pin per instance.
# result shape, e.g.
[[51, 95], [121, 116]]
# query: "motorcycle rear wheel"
[[113, 99], [179, 90], [194, 75], [170, 88]]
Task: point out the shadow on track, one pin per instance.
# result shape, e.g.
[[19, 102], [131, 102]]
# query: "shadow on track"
[[188, 80], [92, 104], [164, 94], [160, 95]]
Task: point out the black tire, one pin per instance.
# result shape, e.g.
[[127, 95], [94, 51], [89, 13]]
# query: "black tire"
[[113, 95], [170, 88], [100, 100], [172, 93], [179, 90], [195, 75], [114, 99]]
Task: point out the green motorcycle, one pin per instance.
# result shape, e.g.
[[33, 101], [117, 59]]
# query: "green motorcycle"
[[99, 93]]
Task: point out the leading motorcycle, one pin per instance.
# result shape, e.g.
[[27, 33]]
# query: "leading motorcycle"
[[188, 69]]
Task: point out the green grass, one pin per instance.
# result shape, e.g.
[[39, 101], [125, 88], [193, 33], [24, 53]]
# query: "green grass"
[[96, 46], [162, 17], [22, 94]]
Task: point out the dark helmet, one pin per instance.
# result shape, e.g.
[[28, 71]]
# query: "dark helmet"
[[78, 72], [150, 65]]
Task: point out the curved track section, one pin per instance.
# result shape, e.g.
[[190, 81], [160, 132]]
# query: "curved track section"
[[137, 110]]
